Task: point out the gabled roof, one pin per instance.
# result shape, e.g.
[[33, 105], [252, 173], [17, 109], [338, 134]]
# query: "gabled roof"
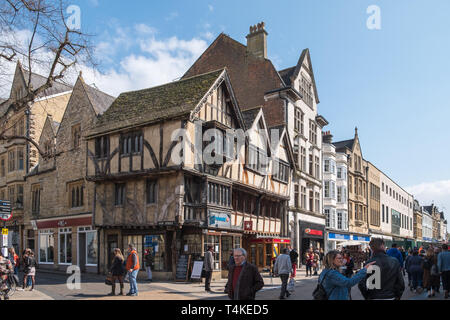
[[163, 102], [38, 81], [251, 77], [344, 144], [286, 75], [250, 116], [100, 101]]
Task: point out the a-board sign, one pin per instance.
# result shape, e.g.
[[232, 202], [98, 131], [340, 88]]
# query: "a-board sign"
[[182, 272], [197, 270], [5, 210]]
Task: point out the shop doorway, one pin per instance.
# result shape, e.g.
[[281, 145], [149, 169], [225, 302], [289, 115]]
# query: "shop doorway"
[[112, 244], [227, 245]]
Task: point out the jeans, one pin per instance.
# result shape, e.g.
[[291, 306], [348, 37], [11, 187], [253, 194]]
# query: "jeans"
[[149, 272], [446, 280], [308, 267], [133, 284], [284, 281], [417, 279]]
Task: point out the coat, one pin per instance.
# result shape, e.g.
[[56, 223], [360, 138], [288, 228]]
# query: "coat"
[[430, 281], [414, 264], [336, 285], [249, 282], [208, 261], [117, 268], [283, 265]]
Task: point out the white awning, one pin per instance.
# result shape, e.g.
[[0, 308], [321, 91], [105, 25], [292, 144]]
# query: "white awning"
[[350, 243]]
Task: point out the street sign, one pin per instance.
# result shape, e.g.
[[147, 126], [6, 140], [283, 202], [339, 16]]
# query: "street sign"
[[4, 231], [5, 210]]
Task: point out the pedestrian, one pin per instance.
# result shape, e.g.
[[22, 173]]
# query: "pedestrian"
[[395, 253], [230, 260], [244, 279], [208, 267], [321, 257], [29, 268], [431, 277], [294, 257], [403, 253], [149, 264], [391, 285], [282, 268], [117, 271], [5, 268], [348, 265], [336, 285], [444, 268], [309, 262], [132, 268], [316, 262], [416, 271], [14, 258], [407, 267]]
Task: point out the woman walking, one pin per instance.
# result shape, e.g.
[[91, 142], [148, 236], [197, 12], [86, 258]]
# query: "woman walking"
[[414, 268], [431, 278], [118, 271], [336, 285], [14, 258], [309, 262], [29, 268]]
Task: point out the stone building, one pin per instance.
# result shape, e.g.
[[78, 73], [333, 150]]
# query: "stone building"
[[418, 217], [289, 98], [156, 187], [373, 198], [335, 195], [58, 210], [18, 156], [357, 189]]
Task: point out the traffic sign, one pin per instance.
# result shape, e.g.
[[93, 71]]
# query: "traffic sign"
[[5, 231], [5, 210]]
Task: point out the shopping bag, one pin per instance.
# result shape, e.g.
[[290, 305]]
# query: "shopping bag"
[[291, 285], [108, 280]]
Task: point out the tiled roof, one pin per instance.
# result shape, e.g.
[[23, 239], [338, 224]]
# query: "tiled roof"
[[38, 81], [158, 103], [286, 75], [250, 116], [251, 77]]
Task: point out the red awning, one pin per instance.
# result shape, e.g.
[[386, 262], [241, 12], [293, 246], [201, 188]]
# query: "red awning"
[[64, 222], [271, 240]]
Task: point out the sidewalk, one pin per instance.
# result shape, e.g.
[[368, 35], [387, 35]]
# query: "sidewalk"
[[195, 290], [29, 295]]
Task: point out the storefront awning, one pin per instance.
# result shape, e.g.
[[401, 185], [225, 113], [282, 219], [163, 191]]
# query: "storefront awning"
[[265, 239], [350, 243]]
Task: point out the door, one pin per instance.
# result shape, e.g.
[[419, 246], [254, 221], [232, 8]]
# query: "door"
[[227, 245], [112, 244], [82, 251]]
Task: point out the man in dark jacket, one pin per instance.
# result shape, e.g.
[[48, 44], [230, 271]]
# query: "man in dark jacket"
[[391, 283], [244, 279], [294, 257]]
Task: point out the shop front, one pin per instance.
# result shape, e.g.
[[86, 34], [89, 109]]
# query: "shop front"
[[334, 239], [60, 243], [363, 240], [312, 236], [263, 251]]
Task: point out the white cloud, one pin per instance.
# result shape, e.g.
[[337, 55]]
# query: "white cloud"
[[437, 192], [211, 8]]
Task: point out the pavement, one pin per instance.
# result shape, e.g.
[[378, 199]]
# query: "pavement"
[[53, 286]]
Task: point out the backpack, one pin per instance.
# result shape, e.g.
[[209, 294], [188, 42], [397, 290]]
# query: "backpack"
[[320, 293]]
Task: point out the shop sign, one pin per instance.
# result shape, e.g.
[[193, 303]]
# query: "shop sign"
[[338, 236], [313, 232], [62, 223], [5, 210], [364, 239], [248, 225], [219, 220]]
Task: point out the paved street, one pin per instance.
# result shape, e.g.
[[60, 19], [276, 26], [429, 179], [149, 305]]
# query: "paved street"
[[53, 286]]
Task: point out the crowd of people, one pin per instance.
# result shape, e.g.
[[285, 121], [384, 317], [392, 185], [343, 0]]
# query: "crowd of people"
[[13, 264]]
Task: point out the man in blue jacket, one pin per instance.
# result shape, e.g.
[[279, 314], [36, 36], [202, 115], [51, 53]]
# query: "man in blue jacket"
[[395, 253], [444, 268]]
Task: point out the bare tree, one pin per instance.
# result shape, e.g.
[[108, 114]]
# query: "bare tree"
[[37, 34]]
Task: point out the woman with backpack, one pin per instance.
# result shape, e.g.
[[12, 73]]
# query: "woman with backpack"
[[431, 278], [335, 285], [117, 271]]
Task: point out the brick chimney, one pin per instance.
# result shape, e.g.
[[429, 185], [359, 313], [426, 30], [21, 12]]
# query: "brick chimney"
[[257, 41], [327, 137]]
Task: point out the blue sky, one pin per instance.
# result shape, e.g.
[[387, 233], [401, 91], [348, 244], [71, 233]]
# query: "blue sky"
[[392, 83]]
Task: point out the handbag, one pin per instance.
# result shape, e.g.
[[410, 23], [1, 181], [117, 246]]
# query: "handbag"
[[291, 285], [108, 280], [434, 270], [320, 293]]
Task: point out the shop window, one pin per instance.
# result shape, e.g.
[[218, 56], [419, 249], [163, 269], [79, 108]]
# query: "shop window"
[[193, 244], [214, 242], [46, 246], [91, 245], [155, 245], [65, 245]]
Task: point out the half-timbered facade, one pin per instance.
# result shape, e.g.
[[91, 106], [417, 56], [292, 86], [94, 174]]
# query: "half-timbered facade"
[[171, 179]]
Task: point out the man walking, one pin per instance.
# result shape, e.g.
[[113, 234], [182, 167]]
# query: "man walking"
[[244, 279], [208, 266], [294, 256], [444, 268], [388, 275], [283, 267], [132, 268], [149, 264]]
